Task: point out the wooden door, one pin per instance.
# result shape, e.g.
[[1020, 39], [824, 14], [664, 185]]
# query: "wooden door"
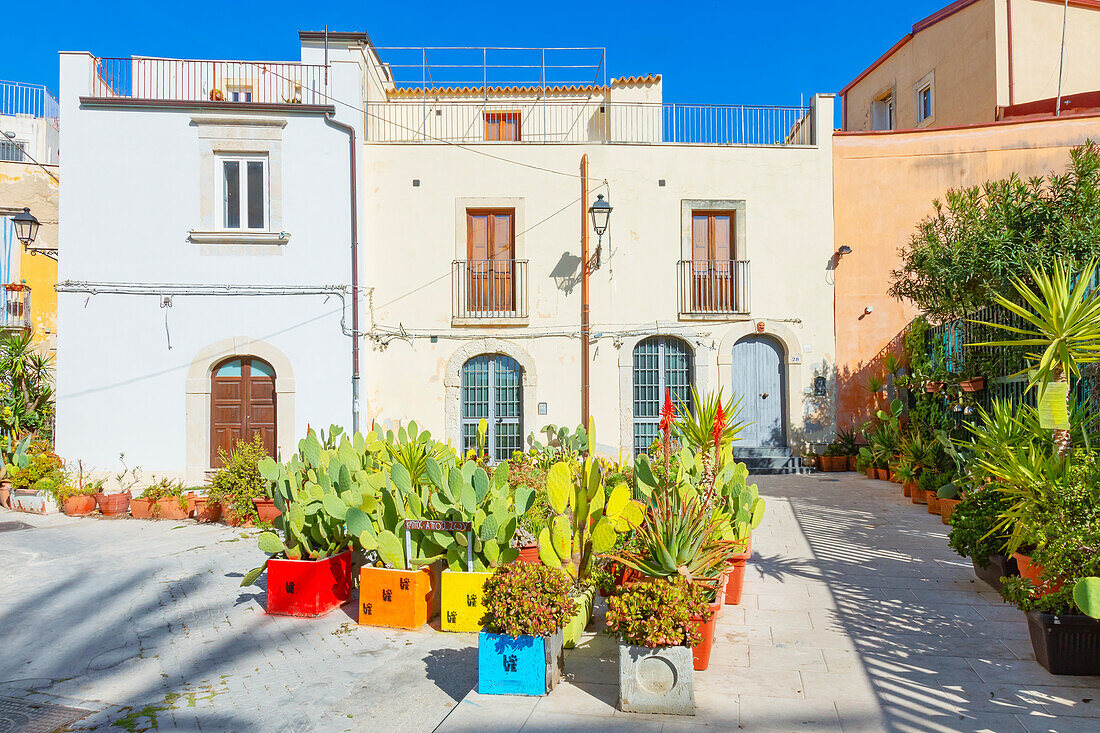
[[490, 261], [758, 377], [242, 404], [712, 261]]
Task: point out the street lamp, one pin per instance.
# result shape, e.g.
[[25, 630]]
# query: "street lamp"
[[26, 227], [600, 211]]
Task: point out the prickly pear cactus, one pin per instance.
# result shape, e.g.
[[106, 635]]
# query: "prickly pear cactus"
[[1086, 594]]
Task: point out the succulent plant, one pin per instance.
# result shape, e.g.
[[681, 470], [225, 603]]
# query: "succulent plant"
[[1086, 594]]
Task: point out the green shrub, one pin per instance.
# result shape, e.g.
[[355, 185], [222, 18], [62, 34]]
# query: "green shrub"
[[238, 482], [657, 613], [973, 521], [528, 600]]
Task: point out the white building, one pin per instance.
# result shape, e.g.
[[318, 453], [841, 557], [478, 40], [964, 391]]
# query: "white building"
[[28, 123], [207, 289]]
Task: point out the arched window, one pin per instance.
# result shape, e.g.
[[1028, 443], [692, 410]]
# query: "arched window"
[[242, 404], [660, 363], [492, 389]]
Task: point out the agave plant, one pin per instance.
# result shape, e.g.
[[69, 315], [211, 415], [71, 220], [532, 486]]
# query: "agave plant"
[[1063, 319], [697, 431]]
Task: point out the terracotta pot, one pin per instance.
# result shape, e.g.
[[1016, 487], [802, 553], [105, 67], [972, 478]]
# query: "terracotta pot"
[[907, 488], [80, 506], [5, 497], [229, 516], [870, 472], [933, 387], [917, 495], [170, 508], [266, 509], [735, 579], [882, 474], [142, 508], [1032, 571], [700, 653], [977, 384], [947, 508], [529, 554], [933, 501], [852, 463], [206, 510], [113, 505]]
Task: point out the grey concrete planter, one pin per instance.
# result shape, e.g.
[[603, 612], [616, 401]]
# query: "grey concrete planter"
[[656, 680]]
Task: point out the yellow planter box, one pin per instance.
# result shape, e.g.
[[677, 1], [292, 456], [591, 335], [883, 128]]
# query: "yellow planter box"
[[461, 601]]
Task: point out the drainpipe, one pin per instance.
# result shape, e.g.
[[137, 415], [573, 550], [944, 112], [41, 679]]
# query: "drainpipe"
[[585, 327], [330, 120], [1011, 72]]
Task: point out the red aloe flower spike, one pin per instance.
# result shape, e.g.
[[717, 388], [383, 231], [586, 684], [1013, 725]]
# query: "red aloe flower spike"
[[668, 414], [719, 426]]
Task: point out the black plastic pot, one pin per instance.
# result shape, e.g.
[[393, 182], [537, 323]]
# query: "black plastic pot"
[[1065, 644], [998, 567]]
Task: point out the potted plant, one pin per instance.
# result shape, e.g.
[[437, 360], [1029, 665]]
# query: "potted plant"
[[309, 566], [163, 499], [117, 503], [206, 509], [835, 457], [526, 607], [848, 439], [77, 497], [906, 475], [238, 483], [36, 474], [653, 625], [974, 535]]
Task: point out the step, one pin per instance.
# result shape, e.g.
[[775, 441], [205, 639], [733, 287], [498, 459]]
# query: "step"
[[740, 452], [761, 465]]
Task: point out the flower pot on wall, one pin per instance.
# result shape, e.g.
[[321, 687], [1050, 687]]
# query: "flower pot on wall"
[[266, 509], [656, 680], [934, 387], [113, 505], [519, 665], [308, 587], [399, 599], [80, 506], [1065, 644], [461, 604], [975, 384]]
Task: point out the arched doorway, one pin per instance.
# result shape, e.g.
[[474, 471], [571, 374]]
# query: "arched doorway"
[[660, 363], [758, 378], [492, 390], [242, 404]]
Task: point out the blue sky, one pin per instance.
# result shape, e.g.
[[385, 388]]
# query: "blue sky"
[[708, 52]]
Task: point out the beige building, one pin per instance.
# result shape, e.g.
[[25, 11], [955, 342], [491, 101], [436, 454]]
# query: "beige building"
[[977, 61]]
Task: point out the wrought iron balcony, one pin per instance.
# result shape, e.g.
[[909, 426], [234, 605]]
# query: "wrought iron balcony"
[[17, 307], [713, 287], [487, 289]]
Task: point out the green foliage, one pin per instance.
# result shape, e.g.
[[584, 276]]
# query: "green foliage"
[[411, 448], [1086, 595], [974, 525], [979, 238], [38, 468], [26, 390], [658, 613], [560, 445], [528, 600], [78, 483], [239, 481], [696, 427]]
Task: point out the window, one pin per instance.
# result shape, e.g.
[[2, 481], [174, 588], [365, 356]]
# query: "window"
[[490, 260], [12, 150], [660, 364], [882, 112], [502, 126], [492, 390], [926, 103], [242, 187], [240, 93], [712, 269]]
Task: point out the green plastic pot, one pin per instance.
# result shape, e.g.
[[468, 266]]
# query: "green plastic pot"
[[579, 622]]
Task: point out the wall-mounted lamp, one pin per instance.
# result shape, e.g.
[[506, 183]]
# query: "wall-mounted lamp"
[[844, 250], [868, 310]]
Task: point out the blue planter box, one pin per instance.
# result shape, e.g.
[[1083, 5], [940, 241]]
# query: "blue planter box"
[[518, 665]]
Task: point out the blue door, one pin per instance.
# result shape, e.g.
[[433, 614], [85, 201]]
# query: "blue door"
[[759, 380]]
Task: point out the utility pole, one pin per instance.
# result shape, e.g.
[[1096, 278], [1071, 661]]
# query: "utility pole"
[[585, 327]]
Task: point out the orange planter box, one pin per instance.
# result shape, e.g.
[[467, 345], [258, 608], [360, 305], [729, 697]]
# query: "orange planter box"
[[398, 599]]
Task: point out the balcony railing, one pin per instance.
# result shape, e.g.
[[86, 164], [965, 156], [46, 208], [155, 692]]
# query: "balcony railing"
[[489, 288], [714, 287], [589, 121], [209, 81], [17, 307], [31, 100]]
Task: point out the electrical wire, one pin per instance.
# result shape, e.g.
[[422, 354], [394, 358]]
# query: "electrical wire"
[[40, 165]]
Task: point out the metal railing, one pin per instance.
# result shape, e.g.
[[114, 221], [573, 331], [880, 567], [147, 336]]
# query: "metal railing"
[[589, 121], [31, 100], [713, 287], [415, 67], [489, 288], [17, 307], [215, 81]]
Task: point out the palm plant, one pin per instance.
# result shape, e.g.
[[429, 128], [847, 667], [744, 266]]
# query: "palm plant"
[[27, 375], [1064, 319]]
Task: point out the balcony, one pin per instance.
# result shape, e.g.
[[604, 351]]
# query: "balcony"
[[587, 121], [17, 308], [489, 292], [186, 80], [713, 287], [28, 100]]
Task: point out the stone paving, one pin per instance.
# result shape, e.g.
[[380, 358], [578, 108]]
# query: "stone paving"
[[856, 617]]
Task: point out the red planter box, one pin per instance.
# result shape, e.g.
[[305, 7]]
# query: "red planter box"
[[308, 587], [700, 653]]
